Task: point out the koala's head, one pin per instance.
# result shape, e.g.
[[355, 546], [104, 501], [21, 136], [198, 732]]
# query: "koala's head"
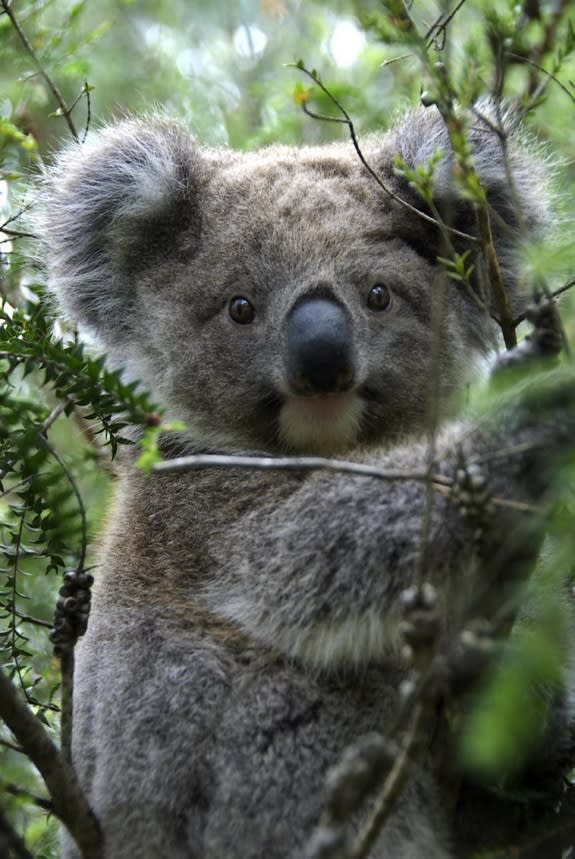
[[276, 300]]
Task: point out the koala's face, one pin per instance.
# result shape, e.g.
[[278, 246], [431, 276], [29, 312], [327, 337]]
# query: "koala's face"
[[302, 319], [278, 300]]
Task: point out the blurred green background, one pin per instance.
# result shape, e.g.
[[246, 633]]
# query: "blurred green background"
[[224, 68]]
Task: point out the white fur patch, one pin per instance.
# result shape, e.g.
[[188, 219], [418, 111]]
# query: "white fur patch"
[[350, 642], [321, 424]]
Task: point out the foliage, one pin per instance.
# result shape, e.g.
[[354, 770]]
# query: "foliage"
[[222, 67]]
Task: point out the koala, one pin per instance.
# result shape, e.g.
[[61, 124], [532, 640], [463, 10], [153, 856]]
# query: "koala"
[[245, 622]]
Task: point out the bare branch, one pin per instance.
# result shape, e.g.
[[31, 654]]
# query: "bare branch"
[[549, 75], [26, 618], [16, 790], [294, 463], [440, 26], [393, 785], [65, 110], [12, 746], [10, 842], [69, 803]]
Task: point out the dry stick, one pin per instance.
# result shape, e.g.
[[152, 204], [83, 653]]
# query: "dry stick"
[[16, 790], [545, 83], [26, 618], [69, 803], [553, 294], [58, 409], [494, 277], [291, 463], [394, 783], [16, 234], [439, 482], [12, 746], [67, 703], [393, 787], [34, 57], [441, 25]]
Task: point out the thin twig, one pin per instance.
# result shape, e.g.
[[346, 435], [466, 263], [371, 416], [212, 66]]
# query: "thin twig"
[[26, 618], [81, 508], [441, 25], [494, 276], [7, 7], [550, 75], [59, 409], [347, 120], [12, 746], [553, 294], [89, 111], [16, 790], [17, 234], [291, 463], [417, 705], [392, 788], [67, 703], [505, 503]]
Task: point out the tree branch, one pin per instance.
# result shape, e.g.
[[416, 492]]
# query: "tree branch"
[[10, 842], [293, 463], [65, 110], [69, 802]]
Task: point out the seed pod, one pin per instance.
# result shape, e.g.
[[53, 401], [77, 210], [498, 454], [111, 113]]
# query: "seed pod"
[[70, 605]]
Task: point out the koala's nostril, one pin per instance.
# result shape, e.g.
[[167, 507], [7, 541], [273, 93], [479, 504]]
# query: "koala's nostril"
[[320, 348]]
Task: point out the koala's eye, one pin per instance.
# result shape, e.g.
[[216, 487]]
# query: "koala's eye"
[[379, 297], [241, 310]]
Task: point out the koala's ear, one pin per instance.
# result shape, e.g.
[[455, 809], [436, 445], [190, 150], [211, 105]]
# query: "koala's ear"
[[110, 209], [514, 174]]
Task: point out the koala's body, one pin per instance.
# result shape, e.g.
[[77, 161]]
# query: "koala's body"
[[244, 623]]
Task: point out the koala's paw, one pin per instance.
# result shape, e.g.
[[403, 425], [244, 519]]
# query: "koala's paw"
[[544, 341], [469, 491], [421, 623]]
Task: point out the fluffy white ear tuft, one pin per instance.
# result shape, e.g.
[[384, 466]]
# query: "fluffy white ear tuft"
[[511, 167], [108, 209]]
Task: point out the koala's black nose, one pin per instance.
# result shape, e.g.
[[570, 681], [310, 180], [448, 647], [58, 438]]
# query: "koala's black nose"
[[320, 354]]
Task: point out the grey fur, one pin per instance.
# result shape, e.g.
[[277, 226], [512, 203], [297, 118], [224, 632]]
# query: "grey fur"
[[244, 623]]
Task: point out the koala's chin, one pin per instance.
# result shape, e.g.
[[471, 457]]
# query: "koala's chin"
[[322, 424]]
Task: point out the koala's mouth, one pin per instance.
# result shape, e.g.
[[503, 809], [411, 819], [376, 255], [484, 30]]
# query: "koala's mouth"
[[321, 423]]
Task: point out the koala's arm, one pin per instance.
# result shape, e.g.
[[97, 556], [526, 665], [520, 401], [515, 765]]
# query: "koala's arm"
[[317, 571]]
